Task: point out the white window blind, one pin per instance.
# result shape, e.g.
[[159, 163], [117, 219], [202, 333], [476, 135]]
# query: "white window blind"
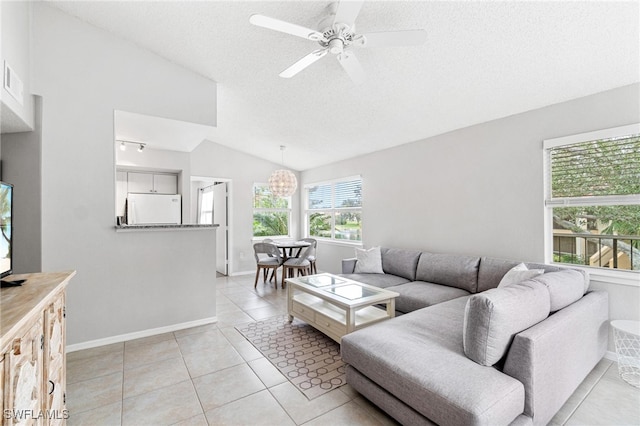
[[320, 197], [608, 169]]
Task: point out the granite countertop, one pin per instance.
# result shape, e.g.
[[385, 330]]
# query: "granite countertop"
[[160, 227]]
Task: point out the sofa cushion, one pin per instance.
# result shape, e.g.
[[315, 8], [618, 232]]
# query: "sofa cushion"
[[518, 274], [378, 280], [565, 287], [400, 262], [452, 270], [493, 317], [492, 270], [419, 359], [368, 261], [419, 294]]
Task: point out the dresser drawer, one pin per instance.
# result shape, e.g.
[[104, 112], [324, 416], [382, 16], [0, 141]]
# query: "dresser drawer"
[[330, 324], [303, 312]]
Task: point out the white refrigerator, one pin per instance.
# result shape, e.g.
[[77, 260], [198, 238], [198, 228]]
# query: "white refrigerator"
[[146, 209]]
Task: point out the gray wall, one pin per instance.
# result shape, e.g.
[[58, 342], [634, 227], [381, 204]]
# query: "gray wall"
[[477, 190], [21, 166], [126, 282]]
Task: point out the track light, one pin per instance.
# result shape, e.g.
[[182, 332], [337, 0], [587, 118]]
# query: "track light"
[[123, 145]]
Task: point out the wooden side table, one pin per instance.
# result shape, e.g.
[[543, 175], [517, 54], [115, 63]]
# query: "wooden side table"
[[626, 335]]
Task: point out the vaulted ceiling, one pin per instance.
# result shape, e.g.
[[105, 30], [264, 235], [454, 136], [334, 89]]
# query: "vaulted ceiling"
[[481, 61]]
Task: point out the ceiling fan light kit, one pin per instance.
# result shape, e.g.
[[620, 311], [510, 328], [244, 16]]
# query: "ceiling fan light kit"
[[337, 36]]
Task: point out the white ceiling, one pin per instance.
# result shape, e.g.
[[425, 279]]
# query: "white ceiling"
[[481, 61]]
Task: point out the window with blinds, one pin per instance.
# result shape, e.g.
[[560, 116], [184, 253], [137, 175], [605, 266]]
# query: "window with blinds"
[[593, 198], [333, 209]]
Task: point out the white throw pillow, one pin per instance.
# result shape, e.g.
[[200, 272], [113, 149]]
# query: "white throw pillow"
[[519, 273], [369, 261]]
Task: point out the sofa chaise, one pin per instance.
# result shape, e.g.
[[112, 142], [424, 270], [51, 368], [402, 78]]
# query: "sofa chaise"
[[465, 352]]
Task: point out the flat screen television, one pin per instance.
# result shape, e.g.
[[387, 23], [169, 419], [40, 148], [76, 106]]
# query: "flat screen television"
[[6, 227]]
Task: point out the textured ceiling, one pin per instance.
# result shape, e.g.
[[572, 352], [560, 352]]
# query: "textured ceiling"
[[481, 61]]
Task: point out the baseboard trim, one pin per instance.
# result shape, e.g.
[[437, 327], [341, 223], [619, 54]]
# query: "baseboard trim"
[[236, 274], [139, 334], [612, 356]]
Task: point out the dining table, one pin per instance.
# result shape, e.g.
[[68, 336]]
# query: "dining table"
[[290, 248]]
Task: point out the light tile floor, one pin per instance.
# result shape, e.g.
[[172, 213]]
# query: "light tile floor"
[[212, 375]]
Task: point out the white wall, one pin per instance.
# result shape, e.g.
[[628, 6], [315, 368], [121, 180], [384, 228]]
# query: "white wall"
[[215, 160], [16, 25], [126, 282], [477, 190]]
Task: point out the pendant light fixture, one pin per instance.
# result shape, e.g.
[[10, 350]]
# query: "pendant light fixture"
[[283, 183]]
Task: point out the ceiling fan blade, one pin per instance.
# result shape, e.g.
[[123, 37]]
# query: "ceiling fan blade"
[[348, 11], [285, 27], [394, 38], [303, 63], [352, 66]]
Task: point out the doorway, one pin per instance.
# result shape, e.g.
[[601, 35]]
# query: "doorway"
[[212, 198]]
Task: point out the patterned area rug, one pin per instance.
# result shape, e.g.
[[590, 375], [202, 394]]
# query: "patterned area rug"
[[309, 359]]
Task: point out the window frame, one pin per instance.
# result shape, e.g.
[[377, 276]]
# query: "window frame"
[[201, 207], [269, 210], [620, 276], [332, 211]]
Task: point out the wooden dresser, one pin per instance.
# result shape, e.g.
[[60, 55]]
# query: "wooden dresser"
[[32, 350]]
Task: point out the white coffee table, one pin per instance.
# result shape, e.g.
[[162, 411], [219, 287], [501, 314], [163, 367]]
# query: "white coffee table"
[[337, 306]]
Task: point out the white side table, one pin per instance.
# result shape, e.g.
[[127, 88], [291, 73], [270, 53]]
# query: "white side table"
[[626, 335]]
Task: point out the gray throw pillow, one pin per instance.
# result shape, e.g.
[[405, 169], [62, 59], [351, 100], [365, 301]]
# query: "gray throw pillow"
[[369, 261], [493, 317]]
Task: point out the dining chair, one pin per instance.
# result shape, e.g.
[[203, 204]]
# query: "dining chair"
[[312, 257], [300, 264], [267, 257]]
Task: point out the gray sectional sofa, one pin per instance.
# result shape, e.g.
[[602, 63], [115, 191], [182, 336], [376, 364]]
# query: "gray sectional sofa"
[[464, 352]]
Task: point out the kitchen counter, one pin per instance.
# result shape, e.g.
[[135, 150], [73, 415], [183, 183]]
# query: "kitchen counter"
[[165, 227]]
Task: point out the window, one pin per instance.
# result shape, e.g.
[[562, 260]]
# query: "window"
[[593, 198], [334, 209], [271, 214], [206, 205]]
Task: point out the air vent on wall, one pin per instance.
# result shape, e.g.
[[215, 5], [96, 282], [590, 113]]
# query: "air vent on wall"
[[13, 84]]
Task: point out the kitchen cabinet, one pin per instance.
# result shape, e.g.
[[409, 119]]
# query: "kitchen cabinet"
[[165, 184], [160, 183], [32, 350]]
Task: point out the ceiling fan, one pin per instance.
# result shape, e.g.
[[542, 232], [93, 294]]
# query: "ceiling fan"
[[338, 35]]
